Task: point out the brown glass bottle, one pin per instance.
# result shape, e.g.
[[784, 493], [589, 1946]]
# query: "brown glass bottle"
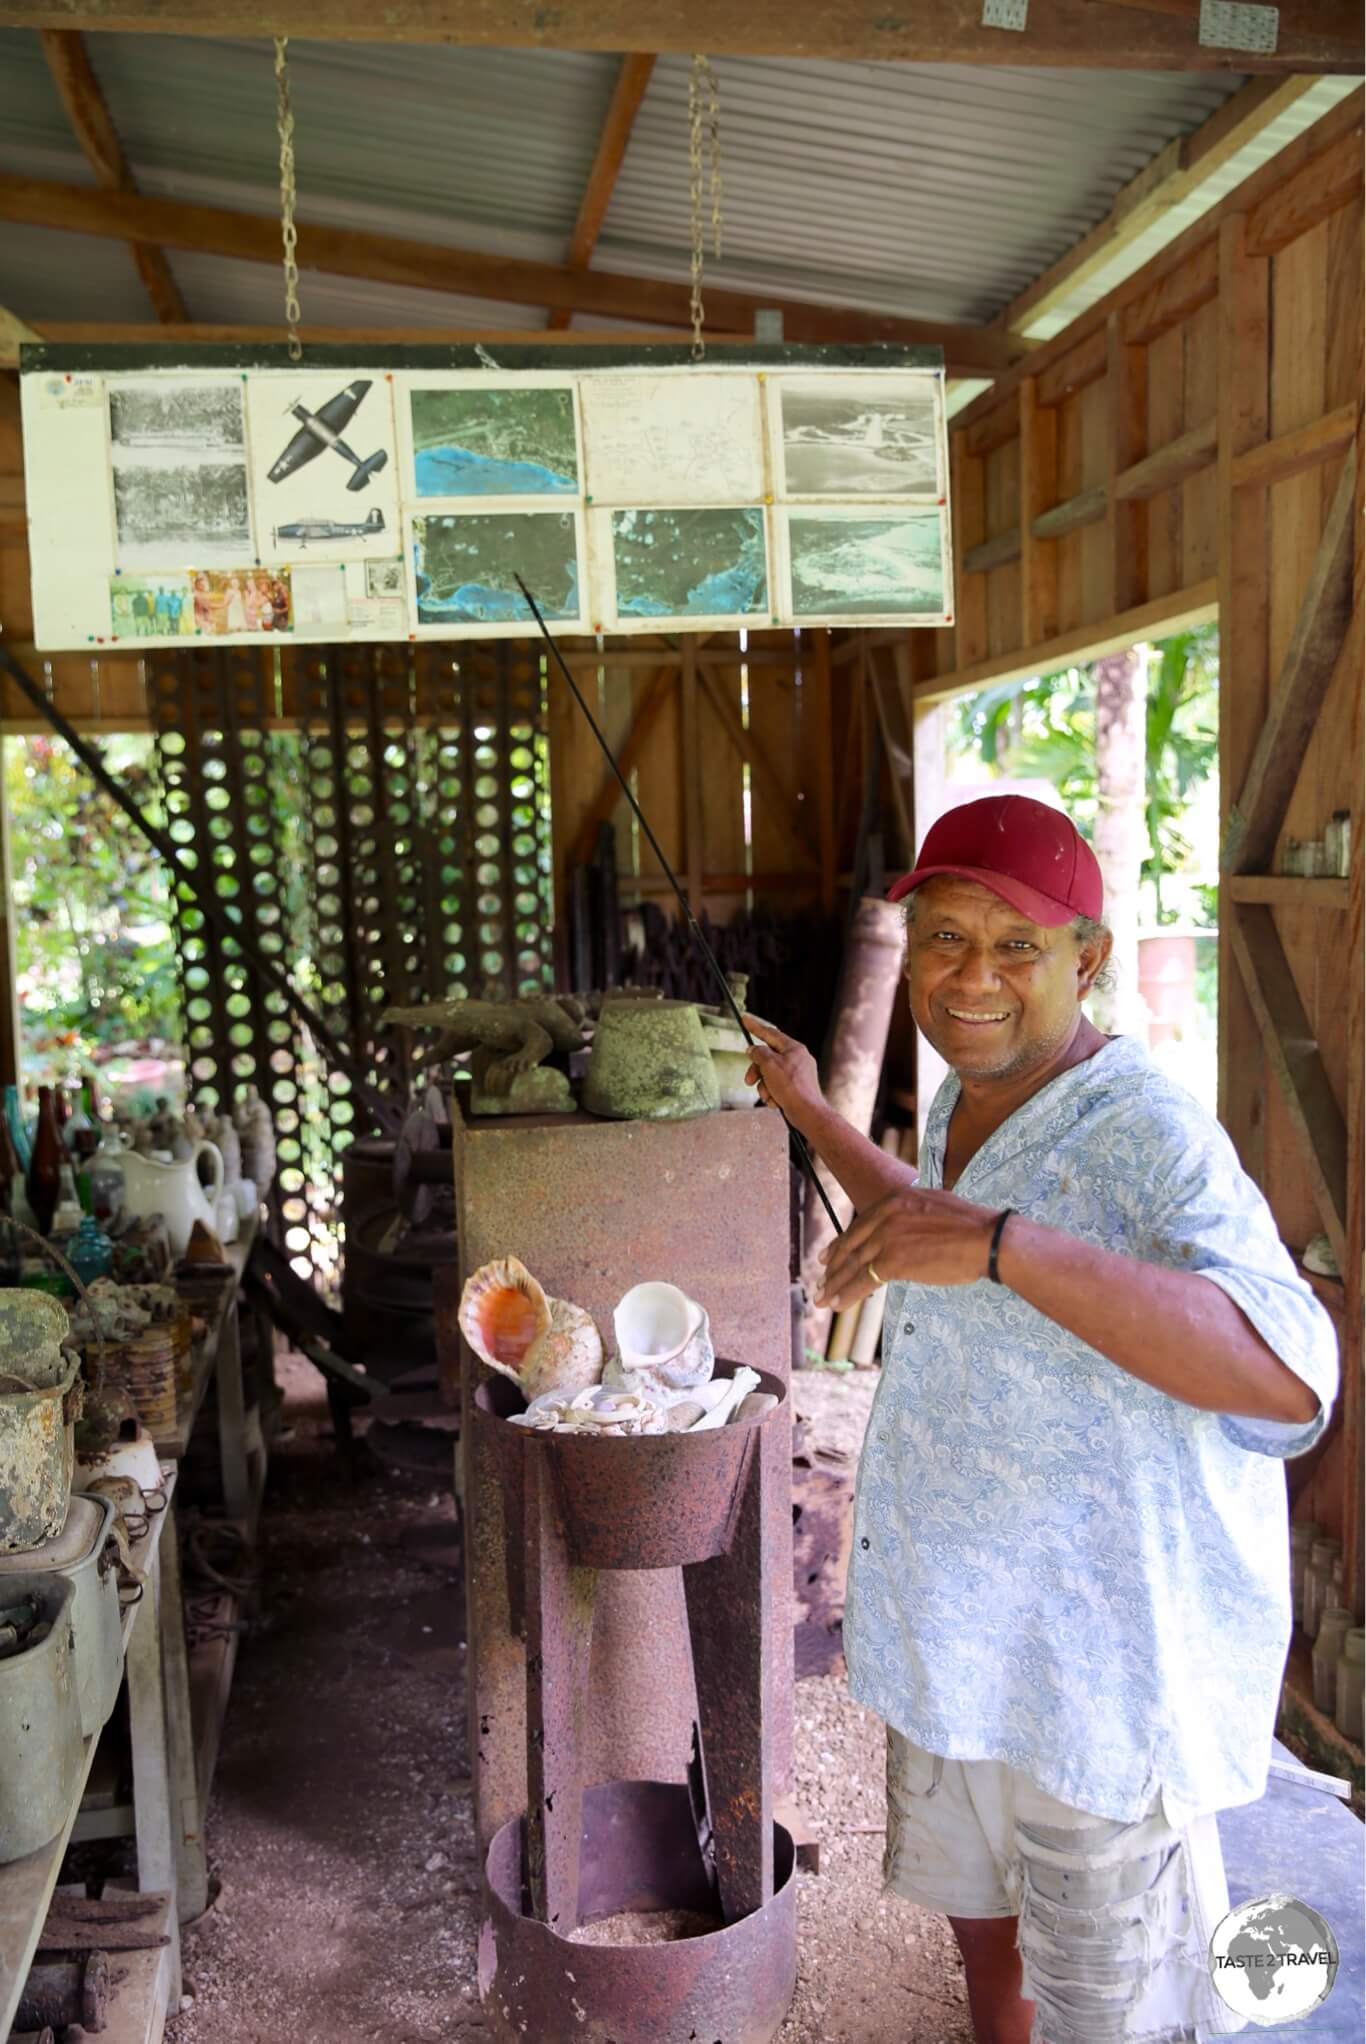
[[45, 1167]]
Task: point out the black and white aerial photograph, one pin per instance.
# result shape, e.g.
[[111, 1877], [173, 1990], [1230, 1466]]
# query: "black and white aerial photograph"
[[838, 442]]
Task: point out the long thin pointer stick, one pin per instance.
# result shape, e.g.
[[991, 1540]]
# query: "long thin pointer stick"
[[798, 1141]]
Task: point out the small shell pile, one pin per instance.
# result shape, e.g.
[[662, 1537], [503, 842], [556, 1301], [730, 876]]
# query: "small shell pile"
[[597, 1411], [659, 1379]]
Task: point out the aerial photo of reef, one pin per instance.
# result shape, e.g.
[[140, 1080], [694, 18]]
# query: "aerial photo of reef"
[[494, 443], [467, 565], [690, 563]]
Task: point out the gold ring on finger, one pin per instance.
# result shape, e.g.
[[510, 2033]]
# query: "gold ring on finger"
[[874, 1276]]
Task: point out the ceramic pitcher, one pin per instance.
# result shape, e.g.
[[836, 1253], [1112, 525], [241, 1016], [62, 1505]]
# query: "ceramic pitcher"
[[173, 1191]]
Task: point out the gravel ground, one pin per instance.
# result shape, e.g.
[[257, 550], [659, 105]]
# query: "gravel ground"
[[340, 1826]]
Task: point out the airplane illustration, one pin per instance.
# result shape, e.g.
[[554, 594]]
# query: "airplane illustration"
[[323, 428], [305, 529]]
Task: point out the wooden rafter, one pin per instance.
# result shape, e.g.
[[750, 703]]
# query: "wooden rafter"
[[1174, 175], [1315, 35], [391, 259], [632, 81], [73, 75], [1315, 646], [1295, 1061]]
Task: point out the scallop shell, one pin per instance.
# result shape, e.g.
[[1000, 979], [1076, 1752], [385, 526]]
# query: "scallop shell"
[[543, 1344]]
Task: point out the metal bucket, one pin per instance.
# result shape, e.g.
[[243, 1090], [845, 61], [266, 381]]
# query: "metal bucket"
[[647, 1501], [40, 1723], [83, 1553], [640, 1851], [38, 1404]]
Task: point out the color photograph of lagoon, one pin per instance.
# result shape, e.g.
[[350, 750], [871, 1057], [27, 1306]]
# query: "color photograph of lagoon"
[[690, 563], [867, 566], [467, 567], [494, 443]]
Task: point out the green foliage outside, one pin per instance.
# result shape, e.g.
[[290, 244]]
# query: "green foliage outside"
[[95, 950], [1045, 728]]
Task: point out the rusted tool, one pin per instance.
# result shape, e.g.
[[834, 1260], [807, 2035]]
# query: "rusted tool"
[[113, 1923], [64, 1991]]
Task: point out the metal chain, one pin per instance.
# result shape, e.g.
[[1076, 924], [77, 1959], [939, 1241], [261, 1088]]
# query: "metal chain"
[[284, 121], [704, 105]]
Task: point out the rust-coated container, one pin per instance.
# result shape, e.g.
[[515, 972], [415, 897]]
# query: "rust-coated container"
[[645, 1501], [640, 1852]]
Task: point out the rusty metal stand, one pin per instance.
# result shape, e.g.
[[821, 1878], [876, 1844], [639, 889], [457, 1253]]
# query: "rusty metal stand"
[[729, 1614], [702, 1504]]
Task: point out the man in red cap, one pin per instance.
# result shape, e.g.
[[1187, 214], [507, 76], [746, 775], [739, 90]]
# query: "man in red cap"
[[1068, 1596]]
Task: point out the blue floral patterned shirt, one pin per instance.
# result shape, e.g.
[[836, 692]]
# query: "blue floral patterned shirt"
[[1054, 1564]]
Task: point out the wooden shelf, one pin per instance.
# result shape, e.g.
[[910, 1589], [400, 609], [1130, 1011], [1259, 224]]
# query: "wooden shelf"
[[26, 1885], [1284, 890]]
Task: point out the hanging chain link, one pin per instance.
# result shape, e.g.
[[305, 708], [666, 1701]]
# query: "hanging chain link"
[[284, 121], [704, 109]]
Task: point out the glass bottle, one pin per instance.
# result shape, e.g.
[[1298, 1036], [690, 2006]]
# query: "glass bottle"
[[1318, 1582], [14, 1120], [44, 1180], [81, 1136], [1351, 1678], [69, 1211], [1334, 1626], [91, 1254], [11, 1182], [1303, 1534]]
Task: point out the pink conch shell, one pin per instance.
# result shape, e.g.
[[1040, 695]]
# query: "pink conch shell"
[[542, 1344]]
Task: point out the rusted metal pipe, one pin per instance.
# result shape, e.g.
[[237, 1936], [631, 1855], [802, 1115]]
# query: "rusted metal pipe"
[[64, 1991], [863, 1012]]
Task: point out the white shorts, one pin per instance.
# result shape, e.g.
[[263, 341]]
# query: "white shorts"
[[1115, 1919]]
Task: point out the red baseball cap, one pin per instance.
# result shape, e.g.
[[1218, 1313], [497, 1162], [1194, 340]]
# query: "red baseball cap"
[[1033, 856]]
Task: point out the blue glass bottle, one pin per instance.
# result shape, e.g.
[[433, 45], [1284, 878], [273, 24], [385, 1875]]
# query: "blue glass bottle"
[[14, 1115], [91, 1253]]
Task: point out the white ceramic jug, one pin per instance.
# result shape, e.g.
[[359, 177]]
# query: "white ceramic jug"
[[173, 1191]]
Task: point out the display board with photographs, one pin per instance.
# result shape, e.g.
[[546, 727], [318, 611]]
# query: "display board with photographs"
[[631, 491]]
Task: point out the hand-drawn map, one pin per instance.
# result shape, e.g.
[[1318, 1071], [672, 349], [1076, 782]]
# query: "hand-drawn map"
[[663, 440]]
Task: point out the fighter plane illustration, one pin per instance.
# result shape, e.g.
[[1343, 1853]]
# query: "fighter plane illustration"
[[305, 529], [323, 428]]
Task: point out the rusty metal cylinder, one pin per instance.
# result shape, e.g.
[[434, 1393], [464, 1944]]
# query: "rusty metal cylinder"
[[640, 1853], [869, 979], [60, 1992]]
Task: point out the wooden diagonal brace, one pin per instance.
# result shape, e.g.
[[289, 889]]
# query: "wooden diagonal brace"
[[1293, 1054], [1311, 657], [764, 777]]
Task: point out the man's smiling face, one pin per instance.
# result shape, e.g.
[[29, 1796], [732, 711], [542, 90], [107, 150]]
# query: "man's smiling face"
[[994, 993]]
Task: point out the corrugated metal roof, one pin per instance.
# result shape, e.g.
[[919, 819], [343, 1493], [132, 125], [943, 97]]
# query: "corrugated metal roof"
[[931, 190]]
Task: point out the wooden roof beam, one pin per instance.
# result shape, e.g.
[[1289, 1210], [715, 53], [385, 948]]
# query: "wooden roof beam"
[[73, 75], [474, 273], [1174, 175], [1315, 35], [632, 82]]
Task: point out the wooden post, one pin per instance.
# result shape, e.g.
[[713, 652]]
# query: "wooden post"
[[692, 776], [10, 1037], [968, 508], [1127, 369], [823, 752], [1244, 349], [1038, 491]]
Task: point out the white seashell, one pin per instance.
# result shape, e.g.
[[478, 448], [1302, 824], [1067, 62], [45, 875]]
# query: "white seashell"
[[663, 1341], [543, 1344], [737, 1389]]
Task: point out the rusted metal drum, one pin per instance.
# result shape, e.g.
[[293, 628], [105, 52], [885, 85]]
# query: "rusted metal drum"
[[643, 1502], [640, 1852]]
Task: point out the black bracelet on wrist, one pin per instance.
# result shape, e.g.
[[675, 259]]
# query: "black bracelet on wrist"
[[992, 1272]]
